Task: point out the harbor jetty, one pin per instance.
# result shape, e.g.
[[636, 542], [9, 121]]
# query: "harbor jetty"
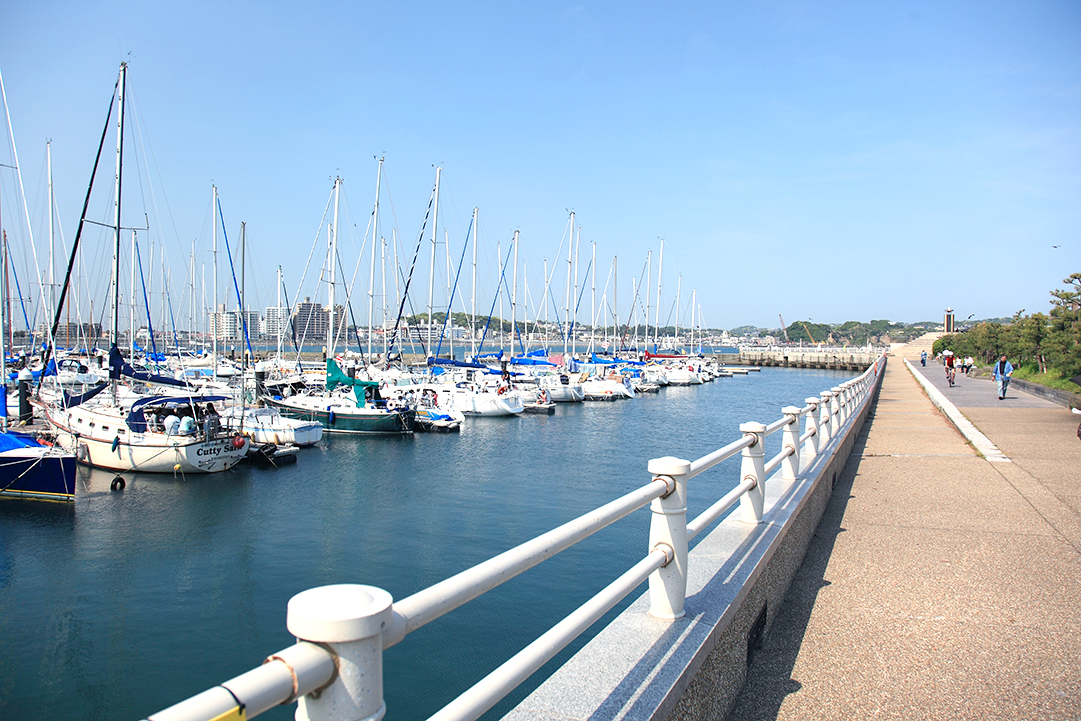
[[942, 583]]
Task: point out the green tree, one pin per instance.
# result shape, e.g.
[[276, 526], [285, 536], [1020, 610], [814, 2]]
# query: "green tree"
[[1063, 340]]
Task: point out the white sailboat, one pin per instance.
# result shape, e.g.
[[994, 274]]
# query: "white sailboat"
[[124, 434]]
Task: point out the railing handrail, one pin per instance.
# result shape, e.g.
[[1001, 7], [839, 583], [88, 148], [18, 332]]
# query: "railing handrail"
[[312, 669]]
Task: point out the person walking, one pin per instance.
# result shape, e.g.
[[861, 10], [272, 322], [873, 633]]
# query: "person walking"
[[923, 358], [1002, 373]]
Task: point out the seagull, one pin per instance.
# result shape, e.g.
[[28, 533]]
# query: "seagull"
[[1056, 246]]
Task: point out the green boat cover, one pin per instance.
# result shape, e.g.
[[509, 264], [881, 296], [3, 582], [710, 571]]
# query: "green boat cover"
[[335, 378]]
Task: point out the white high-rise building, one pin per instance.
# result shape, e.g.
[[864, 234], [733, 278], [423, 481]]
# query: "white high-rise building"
[[277, 321]]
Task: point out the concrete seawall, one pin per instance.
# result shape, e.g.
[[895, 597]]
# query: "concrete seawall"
[[639, 667]]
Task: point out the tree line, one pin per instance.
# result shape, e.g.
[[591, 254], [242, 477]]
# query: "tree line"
[[1040, 343]]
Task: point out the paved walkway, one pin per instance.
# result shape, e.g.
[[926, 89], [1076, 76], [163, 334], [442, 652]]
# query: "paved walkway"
[[939, 585]]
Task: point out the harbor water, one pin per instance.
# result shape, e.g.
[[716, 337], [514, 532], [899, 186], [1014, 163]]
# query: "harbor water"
[[126, 602]]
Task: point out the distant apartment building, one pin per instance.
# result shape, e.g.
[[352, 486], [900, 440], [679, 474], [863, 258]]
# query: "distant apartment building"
[[312, 321], [228, 325], [276, 321]]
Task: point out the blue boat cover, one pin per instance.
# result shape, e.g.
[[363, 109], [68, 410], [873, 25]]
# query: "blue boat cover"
[[120, 367], [12, 441]]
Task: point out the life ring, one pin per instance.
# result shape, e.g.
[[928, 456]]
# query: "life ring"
[[501, 390], [391, 405], [118, 484]]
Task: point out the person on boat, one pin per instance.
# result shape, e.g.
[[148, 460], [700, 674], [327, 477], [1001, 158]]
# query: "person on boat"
[[187, 426], [172, 424], [542, 397]]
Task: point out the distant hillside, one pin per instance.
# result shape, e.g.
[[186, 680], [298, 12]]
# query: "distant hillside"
[[853, 332]]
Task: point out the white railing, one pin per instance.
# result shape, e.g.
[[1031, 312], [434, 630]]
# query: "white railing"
[[335, 670]]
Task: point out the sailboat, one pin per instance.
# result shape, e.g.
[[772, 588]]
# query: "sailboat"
[[343, 407], [28, 469], [157, 434]]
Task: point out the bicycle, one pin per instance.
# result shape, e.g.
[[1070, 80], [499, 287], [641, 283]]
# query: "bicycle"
[[951, 374]]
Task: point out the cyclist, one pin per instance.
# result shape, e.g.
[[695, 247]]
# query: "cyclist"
[[950, 372]]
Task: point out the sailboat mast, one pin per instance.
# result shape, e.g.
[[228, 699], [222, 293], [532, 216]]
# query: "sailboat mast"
[[9, 328], [397, 288], [544, 303], [449, 319], [649, 282], [192, 318], [567, 293], [131, 320], [657, 318], [243, 306], [383, 286], [473, 324], [431, 268], [615, 302], [279, 314], [333, 266], [694, 299], [514, 297], [371, 275], [499, 288], [593, 302], [52, 222], [214, 273], [4, 310], [679, 288], [116, 204], [574, 301]]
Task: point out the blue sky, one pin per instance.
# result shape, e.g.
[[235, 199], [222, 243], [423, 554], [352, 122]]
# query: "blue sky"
[[825, 161]]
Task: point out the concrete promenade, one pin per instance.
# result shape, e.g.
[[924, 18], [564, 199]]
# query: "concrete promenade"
[[939, 585]]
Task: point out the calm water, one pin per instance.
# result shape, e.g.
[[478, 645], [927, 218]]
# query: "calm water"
[[124, 603]]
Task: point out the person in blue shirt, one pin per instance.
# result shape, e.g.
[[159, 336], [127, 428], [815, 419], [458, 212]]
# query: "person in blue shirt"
[[1002, 373], [923, 358]]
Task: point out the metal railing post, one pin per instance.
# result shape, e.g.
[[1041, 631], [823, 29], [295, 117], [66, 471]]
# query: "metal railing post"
[[790, 439], [811, 423], [753, 468], [348, 619], [825, 424], [668, 531]]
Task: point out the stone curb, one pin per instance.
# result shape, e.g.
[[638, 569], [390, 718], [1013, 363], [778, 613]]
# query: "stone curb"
[[981, 442]]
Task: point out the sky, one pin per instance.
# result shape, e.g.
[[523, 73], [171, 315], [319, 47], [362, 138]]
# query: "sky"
[[817, 161]]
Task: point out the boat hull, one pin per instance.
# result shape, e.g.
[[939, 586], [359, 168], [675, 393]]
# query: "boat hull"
[[343, 419], [264, 427], [151, 452], [37, 473]]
